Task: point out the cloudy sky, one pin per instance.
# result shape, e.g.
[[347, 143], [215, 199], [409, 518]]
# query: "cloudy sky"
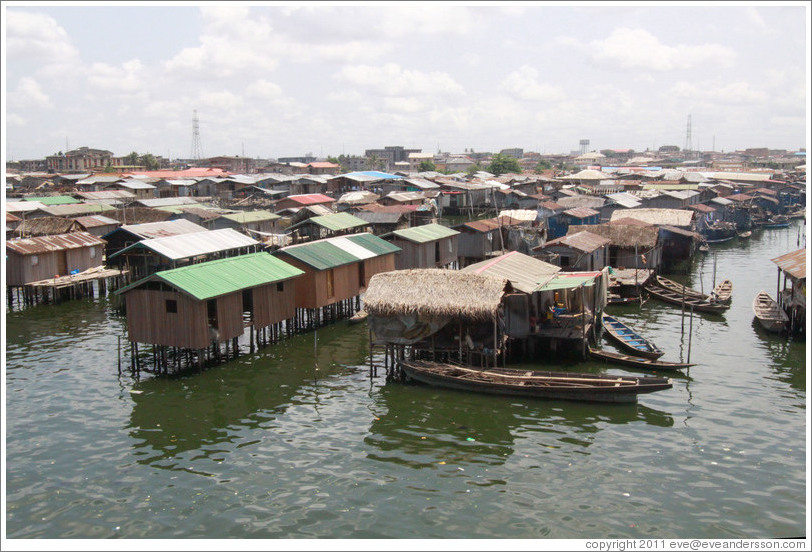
[[285, 80]]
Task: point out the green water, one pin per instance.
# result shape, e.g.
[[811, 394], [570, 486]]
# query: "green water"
[[297, 441]]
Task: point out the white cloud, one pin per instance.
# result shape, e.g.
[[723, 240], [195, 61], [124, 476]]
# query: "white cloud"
[[265, 90], [29, 94], [639, 49], [12, 119], [128, 78], [409, 20], [392, 80], [404, 105], [731, 93], [523, 84], [37, 37]]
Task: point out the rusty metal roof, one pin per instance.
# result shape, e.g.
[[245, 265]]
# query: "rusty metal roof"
[[57, 242], [793, 263], [525, 273], [586, 242], [581, 212], [193, 244]]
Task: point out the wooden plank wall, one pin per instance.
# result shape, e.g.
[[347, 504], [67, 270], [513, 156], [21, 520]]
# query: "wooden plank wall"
[[272, 306], [148, 321]]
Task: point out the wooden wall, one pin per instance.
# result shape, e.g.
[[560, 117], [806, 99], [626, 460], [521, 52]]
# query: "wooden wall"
[[148, 321], [20, 271], [272, 306]]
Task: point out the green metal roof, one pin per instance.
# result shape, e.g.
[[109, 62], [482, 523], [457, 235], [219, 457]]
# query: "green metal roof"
[[566, 282], [321, 255], [53, 200], [425, 233], [335, 252], [215, 278], [374, 244], [338, 221], [251, 216]]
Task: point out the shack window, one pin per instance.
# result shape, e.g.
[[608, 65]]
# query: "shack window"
[[280, 286], [92, 252], [172, 306], [34, 260], [565, 260], [437, 252]]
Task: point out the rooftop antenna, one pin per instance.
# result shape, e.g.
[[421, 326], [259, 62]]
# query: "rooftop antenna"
[[195, 136]]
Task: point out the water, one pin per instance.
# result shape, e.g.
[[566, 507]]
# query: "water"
[[297, 441]]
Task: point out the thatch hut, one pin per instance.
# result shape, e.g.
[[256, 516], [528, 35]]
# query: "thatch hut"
[[439, 312], [633, 244], [46, 226]]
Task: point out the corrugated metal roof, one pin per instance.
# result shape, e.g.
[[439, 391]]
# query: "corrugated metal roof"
[[166, 201], [673, 217], [251, 216], [58, 242], [582, 241], [721, 201], [524, 272], [53, 200], [23, 206], [96, 220], [109, 194], [374, 217], [338, 251], [338, 221], [68, 210], [310, 199], [215, 278], [321, 255], [193, 244], [374, 243], [793, 263], [581, 212], [484, 225], [569, 281], [163, 229], [425, 233]]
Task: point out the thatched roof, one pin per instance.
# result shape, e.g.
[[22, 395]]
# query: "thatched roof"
[[434, 293], [46, 226], [138, 215], [622, 235]]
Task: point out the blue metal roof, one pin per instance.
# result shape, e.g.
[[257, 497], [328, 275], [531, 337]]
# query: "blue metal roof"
[[375, 174]]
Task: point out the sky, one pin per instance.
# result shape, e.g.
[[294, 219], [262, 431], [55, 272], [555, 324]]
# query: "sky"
[[273, 80]]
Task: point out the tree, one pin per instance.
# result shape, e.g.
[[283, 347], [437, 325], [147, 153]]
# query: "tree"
[[149, 161], [473, 169], [501, 164], [427, 166], [543, 166], [131, 158]]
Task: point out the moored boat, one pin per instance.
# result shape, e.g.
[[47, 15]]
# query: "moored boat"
[[677, 298], [680, 288], [744, 235], [777, 221], [771, 317], [630, 339], [532, 383], [637, 361], [723, 292]]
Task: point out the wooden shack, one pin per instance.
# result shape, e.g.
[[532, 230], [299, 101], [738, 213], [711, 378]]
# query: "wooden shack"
[[479, 240], [792, 294], [97, 225], [325, 226], [152, 255], [580, 251], [427, 246], [304, 200], [632, 243], [443, 315], [33, 259], [196, 308], [337, 270], [128, 234]]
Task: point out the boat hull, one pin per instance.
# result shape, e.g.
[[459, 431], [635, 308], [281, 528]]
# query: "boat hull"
[[677, 299], [629, 339], [637, 362], [769, 314], [541, 385]]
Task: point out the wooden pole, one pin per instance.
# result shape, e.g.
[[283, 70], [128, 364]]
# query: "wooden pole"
[[690, 333], [683, 309]]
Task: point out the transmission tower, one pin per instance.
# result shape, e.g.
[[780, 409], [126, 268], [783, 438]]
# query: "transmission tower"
[[688, 142], [196, 154]]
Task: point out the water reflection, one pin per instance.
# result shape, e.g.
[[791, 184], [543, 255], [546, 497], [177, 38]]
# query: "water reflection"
[[426, 427], [210, 411], [787, 356]]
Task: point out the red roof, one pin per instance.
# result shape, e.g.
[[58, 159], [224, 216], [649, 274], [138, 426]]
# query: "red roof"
[[311, 199], [193, 172]]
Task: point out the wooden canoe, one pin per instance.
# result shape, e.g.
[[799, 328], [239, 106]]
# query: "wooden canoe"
[[636, 361], [677, 287], [723, 292], [675, 298], [771, 317], [536, 384], [629, 339]]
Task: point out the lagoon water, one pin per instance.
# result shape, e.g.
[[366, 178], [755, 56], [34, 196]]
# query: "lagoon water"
[[297, 441]]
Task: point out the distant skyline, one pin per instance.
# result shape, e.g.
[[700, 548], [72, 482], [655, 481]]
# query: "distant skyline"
[[286, 80]]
